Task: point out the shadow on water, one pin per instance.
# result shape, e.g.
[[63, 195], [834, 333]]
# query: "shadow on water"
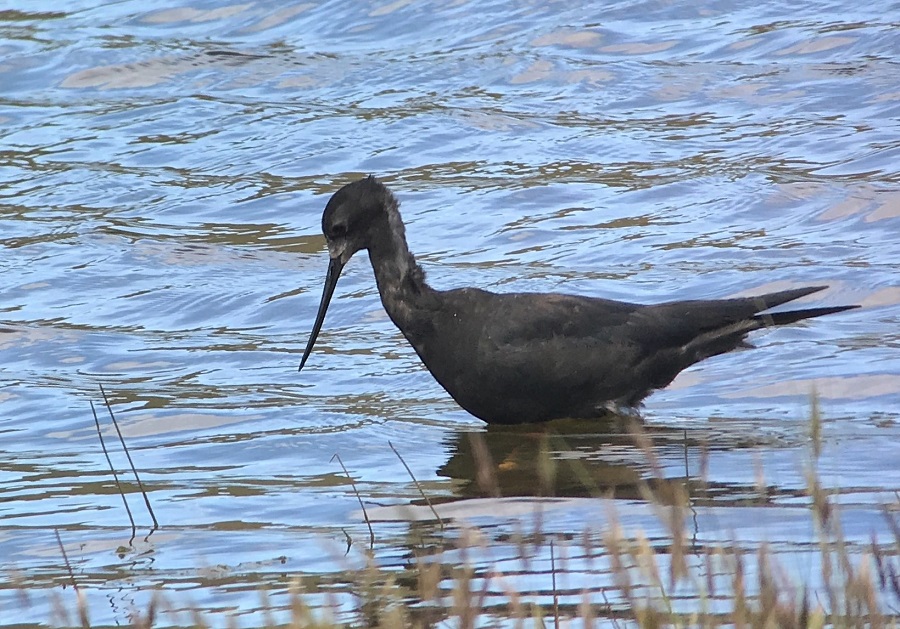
[[615, 457], [558, 459]]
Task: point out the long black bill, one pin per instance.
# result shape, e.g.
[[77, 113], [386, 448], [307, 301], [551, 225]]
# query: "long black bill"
[[331, 278]]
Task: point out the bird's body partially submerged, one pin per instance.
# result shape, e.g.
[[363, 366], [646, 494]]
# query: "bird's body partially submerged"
[[529, 357]]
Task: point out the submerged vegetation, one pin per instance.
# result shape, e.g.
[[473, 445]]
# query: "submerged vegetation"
[[672, 580]]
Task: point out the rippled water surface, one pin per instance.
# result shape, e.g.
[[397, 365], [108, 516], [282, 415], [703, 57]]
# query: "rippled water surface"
[[163, 168]]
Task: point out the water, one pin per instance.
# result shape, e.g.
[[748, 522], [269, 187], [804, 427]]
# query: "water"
[[163, 168]]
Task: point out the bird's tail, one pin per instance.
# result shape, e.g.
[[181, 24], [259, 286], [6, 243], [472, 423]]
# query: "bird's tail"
[[784, 318], [768, 319]]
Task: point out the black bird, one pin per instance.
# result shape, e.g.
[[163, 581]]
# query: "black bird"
[[529, 357]]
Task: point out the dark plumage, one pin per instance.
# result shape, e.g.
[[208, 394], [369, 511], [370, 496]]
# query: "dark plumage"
[[529, 357]]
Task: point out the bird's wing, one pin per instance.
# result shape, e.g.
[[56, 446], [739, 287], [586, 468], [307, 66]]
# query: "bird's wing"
[[567, 342], [557, 342], [681, 323]]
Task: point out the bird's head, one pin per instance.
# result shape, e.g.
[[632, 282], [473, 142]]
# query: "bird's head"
[[351, 216], [354, 215]]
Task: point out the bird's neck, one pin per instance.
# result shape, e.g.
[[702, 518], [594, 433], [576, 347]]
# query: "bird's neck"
[[401, 281]]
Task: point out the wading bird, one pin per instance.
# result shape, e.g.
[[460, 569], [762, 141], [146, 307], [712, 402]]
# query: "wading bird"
[[528, 357]]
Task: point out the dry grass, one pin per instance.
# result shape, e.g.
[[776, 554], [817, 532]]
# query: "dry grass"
[[729, 585]]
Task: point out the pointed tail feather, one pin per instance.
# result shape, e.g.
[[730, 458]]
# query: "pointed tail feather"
[[770, 300], [784, 318]]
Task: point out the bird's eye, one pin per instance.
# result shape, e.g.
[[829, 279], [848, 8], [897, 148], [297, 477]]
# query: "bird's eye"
[[338, 230]]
